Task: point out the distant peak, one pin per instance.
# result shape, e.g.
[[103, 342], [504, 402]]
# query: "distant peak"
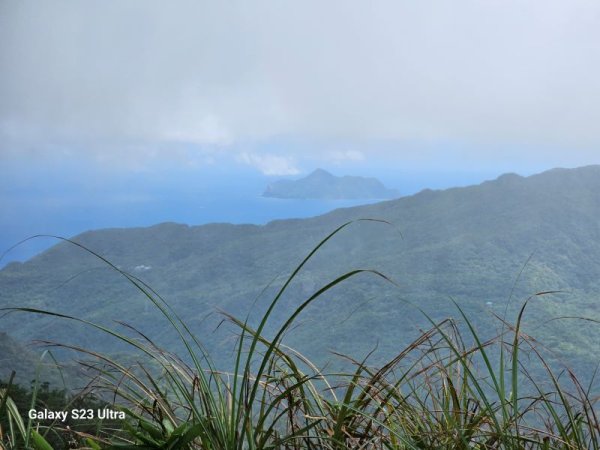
[[320, 172], [507, 177], [322, 184]]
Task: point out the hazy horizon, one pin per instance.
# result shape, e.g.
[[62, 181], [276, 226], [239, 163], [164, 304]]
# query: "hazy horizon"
[[56, 206], [124, 115]]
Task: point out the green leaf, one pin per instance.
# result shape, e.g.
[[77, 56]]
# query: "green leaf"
[[38, 441]]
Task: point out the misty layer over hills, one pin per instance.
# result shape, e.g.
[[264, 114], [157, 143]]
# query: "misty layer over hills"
[[488, 247]]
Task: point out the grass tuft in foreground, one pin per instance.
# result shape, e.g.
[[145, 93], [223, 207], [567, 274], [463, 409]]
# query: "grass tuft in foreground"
[[449, 389]]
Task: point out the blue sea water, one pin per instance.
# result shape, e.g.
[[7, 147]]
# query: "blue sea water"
[[70, 217], [68, 203]]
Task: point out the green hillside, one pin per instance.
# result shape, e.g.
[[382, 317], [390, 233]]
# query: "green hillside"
[[31, 363], [475, 245]]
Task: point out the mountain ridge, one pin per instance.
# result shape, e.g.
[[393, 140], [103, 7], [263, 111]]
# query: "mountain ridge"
[[473, 244]]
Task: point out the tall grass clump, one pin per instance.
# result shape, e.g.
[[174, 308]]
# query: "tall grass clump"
[[448, 389]]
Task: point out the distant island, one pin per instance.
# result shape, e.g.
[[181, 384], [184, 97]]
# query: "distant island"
[[320, 184]]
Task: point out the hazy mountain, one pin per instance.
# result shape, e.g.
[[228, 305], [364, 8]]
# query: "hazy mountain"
[[27, 362], [321, 184], [14, 356], [479, 245]]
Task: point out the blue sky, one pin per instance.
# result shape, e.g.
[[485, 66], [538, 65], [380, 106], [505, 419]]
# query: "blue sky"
[[109, 102]]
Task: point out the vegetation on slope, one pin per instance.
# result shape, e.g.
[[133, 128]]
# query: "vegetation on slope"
[[449, 389], [465, 243]]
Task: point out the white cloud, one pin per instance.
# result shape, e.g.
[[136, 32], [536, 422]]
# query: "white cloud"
[[223, 73], [269, 164], [340, 156], [202, 130]]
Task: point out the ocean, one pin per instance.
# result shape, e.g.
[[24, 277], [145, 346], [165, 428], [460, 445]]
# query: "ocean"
[[66, 207], [70, 218]]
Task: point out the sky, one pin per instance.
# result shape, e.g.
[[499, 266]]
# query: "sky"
[[108, 93]]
